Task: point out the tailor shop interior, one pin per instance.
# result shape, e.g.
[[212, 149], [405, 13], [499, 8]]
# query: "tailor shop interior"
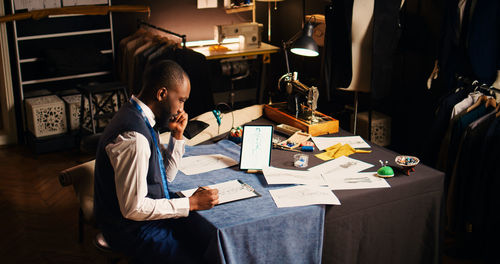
[[426, 73]]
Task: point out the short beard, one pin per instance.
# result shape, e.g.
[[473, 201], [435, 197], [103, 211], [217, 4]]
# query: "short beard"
[[163, 119]]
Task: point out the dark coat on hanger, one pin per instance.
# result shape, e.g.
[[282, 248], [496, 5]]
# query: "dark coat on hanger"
[[466, 176], [472, 49], [338, 53]]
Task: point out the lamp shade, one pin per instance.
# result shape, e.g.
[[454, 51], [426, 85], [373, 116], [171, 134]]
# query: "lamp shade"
[[305, 45]]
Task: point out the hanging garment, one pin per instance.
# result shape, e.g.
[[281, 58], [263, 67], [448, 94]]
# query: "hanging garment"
[[486, 209], [128, 52], [140, 61], [121, 50], [338, 56], [484, 40], [464, 178], [445, 143], [338, 63], [464, 104], [471, 46], [439, 126], [457, 133]]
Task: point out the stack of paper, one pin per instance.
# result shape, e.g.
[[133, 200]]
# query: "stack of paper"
[[302, 195], [283, 176], [342, 173], [354, 141], [205, 163], [356, 180], [229, 191]]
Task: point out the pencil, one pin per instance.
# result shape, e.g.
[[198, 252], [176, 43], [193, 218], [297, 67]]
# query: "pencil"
[[284, 148]]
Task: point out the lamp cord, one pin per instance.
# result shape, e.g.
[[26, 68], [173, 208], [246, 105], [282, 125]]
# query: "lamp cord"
[[228, 108]]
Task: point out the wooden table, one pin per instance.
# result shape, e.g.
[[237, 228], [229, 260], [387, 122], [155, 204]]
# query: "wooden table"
[[235, 51]]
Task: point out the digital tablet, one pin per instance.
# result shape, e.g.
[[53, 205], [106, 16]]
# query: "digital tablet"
[[256, 147]]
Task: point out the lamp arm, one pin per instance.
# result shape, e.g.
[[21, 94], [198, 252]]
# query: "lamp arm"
[[289, 42], [286, 57]]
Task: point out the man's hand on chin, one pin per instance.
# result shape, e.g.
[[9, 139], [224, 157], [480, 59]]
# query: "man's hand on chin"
[[177, 124]]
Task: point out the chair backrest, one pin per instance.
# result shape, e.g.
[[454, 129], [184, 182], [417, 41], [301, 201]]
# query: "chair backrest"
[[82, 179]]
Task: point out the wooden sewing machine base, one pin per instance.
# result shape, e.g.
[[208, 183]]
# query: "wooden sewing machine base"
[[276, 113]]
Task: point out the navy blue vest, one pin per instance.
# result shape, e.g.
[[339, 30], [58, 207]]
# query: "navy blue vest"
[[106, 207]]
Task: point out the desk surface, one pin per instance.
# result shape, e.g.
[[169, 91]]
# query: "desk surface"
[[235, 51], [245, 231], [395, 225]]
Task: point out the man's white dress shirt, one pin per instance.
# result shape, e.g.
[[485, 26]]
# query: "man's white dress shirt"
[[129, 154]]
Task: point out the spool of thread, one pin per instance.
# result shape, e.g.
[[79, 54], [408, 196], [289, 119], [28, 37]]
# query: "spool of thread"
[[307, 143], [307, 148]]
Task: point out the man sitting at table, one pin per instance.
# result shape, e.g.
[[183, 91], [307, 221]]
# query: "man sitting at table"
[[132, 171]]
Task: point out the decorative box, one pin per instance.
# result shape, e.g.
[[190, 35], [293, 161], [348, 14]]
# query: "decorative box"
[[45, 115], [106, 105], [73, 103], [380, 130]]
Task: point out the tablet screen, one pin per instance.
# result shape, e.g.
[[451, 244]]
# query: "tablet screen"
[[256, 147]]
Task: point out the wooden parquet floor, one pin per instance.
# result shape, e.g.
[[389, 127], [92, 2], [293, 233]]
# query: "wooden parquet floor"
[[39, 217]]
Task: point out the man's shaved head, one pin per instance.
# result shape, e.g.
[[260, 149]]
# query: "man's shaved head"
[[164, 73]]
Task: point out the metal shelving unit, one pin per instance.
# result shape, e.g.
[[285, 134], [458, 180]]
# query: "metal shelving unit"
[[44, 52], [33, 37]]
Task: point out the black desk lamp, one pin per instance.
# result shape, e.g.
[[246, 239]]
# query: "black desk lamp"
[[303, 45]]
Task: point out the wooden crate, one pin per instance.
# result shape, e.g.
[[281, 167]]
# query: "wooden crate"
[[276, 113]]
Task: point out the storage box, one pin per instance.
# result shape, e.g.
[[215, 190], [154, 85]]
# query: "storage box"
[[45, 115], [380, 130], [73, 103]]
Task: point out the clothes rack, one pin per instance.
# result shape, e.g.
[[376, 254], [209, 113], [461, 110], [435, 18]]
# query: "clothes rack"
[[475, 85], [182, 36]]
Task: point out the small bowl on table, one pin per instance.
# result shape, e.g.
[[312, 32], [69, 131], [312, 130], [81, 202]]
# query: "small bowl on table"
[[407, 163]]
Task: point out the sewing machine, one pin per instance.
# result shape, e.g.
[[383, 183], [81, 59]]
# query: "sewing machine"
[[300, 109], [248, 34], [302, 100]]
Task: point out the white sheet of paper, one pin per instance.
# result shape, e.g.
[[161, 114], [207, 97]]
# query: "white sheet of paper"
[[325, 142], [341, 165], [355, 180], [207, 4], [284, 176], [302, 195], [228, 191], [204, 163]]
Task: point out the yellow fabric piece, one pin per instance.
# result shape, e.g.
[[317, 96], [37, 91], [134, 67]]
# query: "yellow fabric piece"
[[339, 150]]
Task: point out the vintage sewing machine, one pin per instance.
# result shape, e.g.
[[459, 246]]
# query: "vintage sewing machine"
[[300, 109], [248, 34]]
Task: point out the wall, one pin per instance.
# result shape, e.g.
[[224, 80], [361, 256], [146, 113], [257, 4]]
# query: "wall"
[[198, 24], [181, 17], [7, 119]]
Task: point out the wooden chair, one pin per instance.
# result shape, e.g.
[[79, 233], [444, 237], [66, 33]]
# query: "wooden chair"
[[82, 179]]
